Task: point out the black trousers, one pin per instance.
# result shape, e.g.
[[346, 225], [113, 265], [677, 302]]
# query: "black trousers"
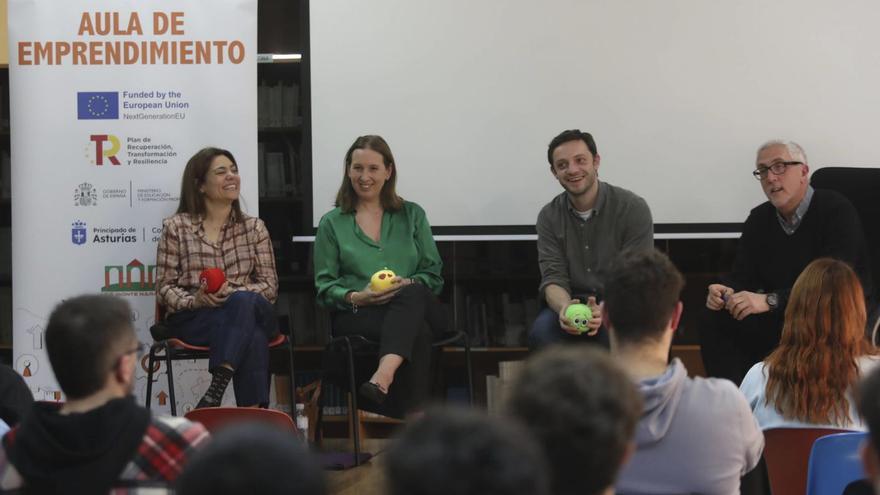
[[730, 348], [406, 326]]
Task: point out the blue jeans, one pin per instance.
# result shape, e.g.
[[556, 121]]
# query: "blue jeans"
[[238, 333], [546, 331]]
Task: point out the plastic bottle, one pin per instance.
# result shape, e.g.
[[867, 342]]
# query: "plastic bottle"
[[302, 422]]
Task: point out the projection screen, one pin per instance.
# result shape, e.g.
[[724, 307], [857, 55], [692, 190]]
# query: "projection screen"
[[678, 94]]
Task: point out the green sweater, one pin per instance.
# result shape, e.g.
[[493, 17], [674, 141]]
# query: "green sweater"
[[346, 258]]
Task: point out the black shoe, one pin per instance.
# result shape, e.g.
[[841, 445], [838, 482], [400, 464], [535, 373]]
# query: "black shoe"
[[161, 331], [372, 391], [220, 377]]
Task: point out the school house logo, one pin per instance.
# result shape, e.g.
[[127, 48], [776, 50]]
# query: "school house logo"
[[85, 195], [79, 233], [133, 279]]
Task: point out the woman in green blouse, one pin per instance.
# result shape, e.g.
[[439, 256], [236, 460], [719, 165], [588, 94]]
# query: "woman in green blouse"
[[372, 229]]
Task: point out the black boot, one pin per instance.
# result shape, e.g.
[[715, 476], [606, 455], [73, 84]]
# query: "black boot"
[[219, 380]]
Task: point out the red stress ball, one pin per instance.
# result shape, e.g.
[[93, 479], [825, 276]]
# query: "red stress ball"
[[212, 279]]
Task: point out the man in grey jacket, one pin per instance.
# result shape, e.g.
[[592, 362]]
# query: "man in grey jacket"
[[579, 233], [695, 435]]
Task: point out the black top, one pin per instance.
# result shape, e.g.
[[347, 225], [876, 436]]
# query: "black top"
[[15, 396], [859, 487], [769, 260], [77, 452]]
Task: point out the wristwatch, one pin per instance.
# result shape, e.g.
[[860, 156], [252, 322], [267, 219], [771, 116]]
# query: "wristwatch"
[[772, 300]]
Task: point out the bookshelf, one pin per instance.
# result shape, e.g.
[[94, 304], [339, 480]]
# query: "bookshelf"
[[5, 218]]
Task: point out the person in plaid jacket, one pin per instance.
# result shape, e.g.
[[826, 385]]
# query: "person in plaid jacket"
[[100, 438]]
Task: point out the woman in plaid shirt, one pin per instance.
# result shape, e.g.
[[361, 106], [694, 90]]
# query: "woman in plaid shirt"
[[209, 230]]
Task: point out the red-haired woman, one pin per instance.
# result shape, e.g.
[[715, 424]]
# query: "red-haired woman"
[[807, 381]]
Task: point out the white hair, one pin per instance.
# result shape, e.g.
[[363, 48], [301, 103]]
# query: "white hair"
[[794, 149]]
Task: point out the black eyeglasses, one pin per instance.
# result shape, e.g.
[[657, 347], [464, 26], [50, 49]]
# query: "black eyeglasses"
[[777, 168]]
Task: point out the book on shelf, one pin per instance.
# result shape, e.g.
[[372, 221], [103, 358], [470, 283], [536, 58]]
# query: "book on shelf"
[[261, 167], [4, 106], [289, 104], [514, 322], [322, 326], [492, 390], [499, 319], [282, 312], [300, 320], [499, 387], [277, 171], [334, 399], [262, 105], [292, 178], [309, 323], [5, 175], [275, 176], [6, 309], [6, 254], [277, 105]]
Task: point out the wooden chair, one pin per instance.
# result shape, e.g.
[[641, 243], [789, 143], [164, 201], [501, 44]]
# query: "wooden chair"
[[787, 453]]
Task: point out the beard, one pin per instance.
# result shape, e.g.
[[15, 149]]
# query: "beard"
[[588, 184]]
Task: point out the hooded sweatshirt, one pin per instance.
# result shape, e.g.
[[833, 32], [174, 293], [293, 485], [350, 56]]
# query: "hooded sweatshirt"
[[696, 435], [79, 452]]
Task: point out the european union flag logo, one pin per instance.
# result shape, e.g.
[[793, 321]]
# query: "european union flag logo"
[[97, 105]]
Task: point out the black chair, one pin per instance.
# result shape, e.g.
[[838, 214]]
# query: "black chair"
[[172, 349], [860, 186], [358, 345]]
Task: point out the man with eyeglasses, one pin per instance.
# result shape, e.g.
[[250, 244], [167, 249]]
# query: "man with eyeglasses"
[[779, 238], [100, 437]]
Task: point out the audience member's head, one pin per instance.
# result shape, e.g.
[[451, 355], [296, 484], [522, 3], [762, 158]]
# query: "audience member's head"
[[642, 298], [252, 458], [464, 452], [92, 346], [583, 409], [816, 362], [868, 395]]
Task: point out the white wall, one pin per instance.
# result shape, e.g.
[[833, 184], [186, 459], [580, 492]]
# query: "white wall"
[[678, 94]]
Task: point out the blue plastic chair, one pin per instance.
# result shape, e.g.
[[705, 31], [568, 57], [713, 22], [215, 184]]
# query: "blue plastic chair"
[[835, 463]]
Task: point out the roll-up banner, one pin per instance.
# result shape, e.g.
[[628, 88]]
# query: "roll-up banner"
[[108, 101]]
